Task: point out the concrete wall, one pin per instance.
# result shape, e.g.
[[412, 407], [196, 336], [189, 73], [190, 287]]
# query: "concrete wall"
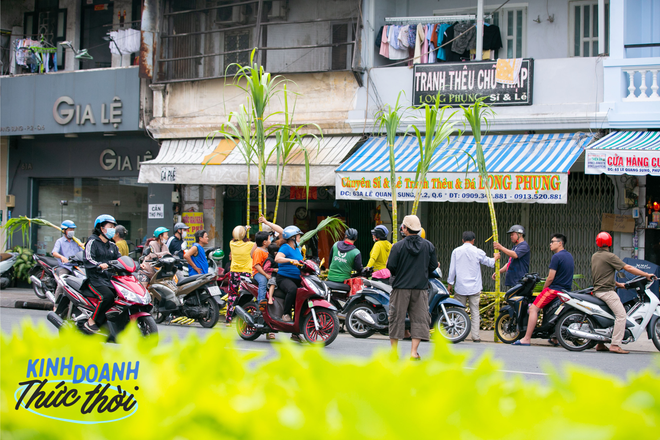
[[566, 95], [12, 12]]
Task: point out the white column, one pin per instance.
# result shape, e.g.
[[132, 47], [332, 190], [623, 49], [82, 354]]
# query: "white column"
[[480, 29], [601, 26], [617, 26]]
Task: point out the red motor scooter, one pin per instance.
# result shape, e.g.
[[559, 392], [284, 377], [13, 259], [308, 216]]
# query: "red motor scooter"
[[314, 317], [132, 302]]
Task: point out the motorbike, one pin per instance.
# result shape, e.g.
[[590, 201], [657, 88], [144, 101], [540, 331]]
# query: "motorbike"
[[43, 278], [588, 320], [7, 260], [340, 292], [368, 311], [132, 303], [511, 324], [314, 317], [184, 300]]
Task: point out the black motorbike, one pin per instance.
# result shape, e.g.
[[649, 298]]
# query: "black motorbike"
[[43, 278], [340, 293], [511, 324], [367, 312]]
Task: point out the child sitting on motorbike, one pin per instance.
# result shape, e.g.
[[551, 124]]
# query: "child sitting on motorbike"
[[259, 257], [270, 266]]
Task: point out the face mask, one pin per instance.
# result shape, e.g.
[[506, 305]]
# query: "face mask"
[[70, 234], [163, 240], [184, 234], [109, 233]]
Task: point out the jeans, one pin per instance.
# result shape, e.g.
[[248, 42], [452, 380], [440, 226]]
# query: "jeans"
[[263, 286]]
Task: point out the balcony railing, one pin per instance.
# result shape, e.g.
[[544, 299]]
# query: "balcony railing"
[[638, 77]]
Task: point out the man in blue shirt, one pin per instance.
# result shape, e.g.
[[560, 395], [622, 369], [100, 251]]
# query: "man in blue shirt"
[[65, 247], [560, 277], [518, 264]]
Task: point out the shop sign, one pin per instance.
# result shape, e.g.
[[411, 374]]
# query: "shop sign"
[[455, 187], [168, 174], [102, 100], [633, 162], [464, 83], [156, 211], [195, 221], [110, 160]]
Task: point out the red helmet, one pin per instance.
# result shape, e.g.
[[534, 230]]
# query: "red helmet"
[[603, 239]]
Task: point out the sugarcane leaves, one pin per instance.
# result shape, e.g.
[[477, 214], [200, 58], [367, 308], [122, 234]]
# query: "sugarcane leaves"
[[23, 224], [333, 225]]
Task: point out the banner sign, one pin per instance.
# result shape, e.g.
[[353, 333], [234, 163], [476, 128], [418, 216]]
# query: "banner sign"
[[454, 187], [195, 221], [464, 83], [633, 162]]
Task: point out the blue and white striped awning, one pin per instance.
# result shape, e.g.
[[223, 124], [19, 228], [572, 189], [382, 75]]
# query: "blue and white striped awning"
[[516, 153], [635, 153], [628, 140]]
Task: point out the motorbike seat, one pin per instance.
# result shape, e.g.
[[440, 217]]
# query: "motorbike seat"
[[80, 285], [337, 286], [379, 285], [190, 279], [51, 261], [589, 298]]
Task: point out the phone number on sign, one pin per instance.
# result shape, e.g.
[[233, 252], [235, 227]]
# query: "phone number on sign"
[[471, 196], [23, 128], [537, 196]]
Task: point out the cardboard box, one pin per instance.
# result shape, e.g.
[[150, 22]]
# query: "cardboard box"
[[618, 223]]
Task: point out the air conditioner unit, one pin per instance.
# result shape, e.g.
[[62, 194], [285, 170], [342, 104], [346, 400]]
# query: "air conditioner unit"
[[10, 201], [278, 9], [237, 16]]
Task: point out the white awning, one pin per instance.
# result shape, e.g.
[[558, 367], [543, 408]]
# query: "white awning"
[[183, 162]]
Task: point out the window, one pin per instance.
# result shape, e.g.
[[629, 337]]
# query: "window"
[[237, 41], [342, 55], [512, 24], [584, 28], [50, 23]]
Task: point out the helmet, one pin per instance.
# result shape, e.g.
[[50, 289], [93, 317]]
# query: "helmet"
[[104, 218], [517, 229], [603, 239], [159, 231], [239, 233], [121, 231], [68, 224], [291, 231], [218, 254], [422, 233], [380, 232], [181, 226], [351, 234]]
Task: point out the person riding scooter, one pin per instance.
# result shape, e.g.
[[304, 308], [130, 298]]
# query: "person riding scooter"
[[345, 258], [177, 243], [288, 275], [65, 248], [158, 250], [99, 250]]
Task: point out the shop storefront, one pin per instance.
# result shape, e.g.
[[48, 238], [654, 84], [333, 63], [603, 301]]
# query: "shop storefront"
[[75, 149], [533, 182]]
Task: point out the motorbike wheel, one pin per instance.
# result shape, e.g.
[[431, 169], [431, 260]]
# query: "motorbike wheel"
[[328, 323], [506, 329], [155, 312], [569, 342], [458, 327], [213, 312], [354, 326], [245, 331], [39, 291], [656, 334], [147, 326]]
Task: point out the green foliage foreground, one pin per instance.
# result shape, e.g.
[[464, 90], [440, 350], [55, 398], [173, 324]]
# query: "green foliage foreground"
[[203, 389]]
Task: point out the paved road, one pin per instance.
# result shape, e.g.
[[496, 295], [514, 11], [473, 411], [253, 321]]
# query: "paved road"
[[530, 362]]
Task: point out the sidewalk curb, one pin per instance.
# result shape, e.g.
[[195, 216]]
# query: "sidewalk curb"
[[33, 305]]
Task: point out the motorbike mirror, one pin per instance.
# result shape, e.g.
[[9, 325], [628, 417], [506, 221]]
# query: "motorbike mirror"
[[147, 252], [438, 272], [322, 262], [303, 250]]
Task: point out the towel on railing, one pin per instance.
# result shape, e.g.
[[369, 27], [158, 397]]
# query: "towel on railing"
[[508, 70]]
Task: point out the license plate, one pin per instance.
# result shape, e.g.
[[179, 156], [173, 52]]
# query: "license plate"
[[561, 307], [310, 304], [215, 291]]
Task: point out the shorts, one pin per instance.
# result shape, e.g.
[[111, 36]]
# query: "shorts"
[[415, 303], [545, 297], [272, 281]]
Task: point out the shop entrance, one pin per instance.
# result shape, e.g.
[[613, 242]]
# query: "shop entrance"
[[652, 236]]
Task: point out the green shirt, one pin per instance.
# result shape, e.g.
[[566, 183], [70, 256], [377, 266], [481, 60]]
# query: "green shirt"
[[341, 264]]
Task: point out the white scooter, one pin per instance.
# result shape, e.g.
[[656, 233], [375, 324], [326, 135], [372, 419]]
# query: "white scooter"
[[589, 320], [7, 260]]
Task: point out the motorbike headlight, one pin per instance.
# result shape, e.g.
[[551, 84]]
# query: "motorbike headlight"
[[320, 290], [134, 297]]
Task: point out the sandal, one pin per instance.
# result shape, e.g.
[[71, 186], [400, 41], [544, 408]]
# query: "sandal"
[[553, 342], [415, 358], [518, 343]]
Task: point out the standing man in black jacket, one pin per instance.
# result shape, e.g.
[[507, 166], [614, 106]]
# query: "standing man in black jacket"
[[411, 262]]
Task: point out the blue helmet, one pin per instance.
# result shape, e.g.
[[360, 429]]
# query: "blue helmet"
[[159, 231], [381, 232], [104, 218], [67, 224], [291, 231]]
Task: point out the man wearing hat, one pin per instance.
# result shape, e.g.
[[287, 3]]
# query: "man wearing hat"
[[411, 262], [177, 243]]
